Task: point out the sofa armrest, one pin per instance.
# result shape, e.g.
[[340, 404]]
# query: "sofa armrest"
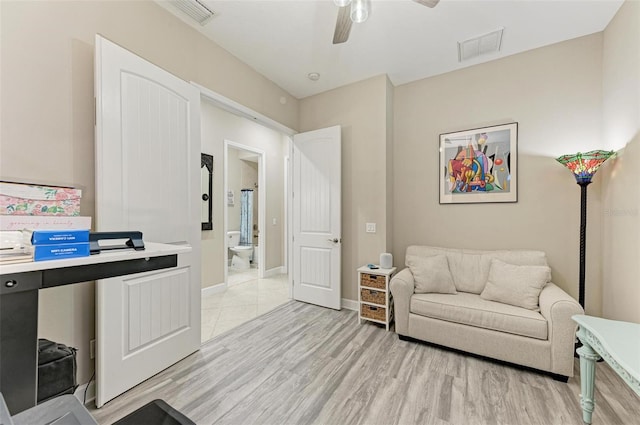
[[557, 307], [402, 286]]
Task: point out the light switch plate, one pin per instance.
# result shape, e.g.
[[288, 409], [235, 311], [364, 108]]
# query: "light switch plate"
[[371, 227]]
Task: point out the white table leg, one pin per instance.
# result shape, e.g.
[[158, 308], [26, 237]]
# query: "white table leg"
[[588, 359]]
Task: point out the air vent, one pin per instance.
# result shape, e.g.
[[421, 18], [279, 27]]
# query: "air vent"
[[481, 45], [194, 9]]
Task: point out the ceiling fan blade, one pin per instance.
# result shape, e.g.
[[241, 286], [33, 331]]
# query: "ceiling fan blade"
[[343, 26], [428, 3]]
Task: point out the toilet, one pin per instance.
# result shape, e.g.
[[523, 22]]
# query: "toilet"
[[241, 259]]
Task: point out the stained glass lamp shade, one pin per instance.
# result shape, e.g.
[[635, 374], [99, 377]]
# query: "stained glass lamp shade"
[[584, 165]]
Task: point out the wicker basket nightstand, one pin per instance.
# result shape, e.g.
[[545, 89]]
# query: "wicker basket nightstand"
[[374, 299]]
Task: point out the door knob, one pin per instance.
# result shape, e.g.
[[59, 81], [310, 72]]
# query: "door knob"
[[334, 240]]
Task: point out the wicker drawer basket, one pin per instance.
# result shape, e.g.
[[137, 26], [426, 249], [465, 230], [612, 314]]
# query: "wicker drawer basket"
[[372, 296], [373, 281], [373, 312]]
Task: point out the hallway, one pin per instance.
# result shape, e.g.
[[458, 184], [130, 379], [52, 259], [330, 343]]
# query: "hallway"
[[246, 298]]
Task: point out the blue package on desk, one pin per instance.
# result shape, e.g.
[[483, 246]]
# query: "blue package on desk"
[[60, 251], [37, 237]]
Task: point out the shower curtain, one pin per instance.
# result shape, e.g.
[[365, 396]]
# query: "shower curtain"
[[246, 217]]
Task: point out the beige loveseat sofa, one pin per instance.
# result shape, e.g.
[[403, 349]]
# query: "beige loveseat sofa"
[[498, 304]]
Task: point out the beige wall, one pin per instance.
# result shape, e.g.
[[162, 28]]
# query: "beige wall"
[[361, 110], [621, 125], [554, 93], [217, 126], [46, 108]]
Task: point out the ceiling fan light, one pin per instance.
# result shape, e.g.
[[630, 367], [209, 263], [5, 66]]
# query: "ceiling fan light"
[[360, 10], [342, 3]]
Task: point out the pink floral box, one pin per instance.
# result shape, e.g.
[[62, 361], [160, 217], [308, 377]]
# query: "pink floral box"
[[24, 199]]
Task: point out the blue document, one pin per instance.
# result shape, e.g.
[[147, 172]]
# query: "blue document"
[[60, 251]]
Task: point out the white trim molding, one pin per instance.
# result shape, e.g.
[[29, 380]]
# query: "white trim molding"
[[91, 392], [214, 289], [349, 304], [275, 271]]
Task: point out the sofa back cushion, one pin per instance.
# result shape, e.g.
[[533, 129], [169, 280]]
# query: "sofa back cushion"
[[470, 268]]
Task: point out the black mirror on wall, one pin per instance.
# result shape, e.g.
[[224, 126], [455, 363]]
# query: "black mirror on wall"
[[206, 183]]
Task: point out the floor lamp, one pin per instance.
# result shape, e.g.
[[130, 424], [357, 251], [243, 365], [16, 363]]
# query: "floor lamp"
[[584, 167]]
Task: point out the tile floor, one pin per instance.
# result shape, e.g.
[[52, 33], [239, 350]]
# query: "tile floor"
[[245, 298]]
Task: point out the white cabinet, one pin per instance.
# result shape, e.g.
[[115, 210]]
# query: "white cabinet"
[[374, 299]]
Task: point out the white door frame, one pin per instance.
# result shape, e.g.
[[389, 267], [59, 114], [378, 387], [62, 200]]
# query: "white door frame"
[[289, 214], [285, 215], [262, 199], [241, 110]]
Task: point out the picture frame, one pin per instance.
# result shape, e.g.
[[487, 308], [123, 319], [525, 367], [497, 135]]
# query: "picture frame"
[[479, 165]]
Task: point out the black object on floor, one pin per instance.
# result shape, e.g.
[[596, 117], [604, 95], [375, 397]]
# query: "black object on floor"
[[157, 412], [56, 370]]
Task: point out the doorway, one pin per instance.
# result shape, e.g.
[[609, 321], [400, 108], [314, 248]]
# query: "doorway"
[[244, 213], [237, 290]]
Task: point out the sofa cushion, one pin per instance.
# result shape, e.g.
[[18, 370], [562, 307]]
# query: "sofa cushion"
[[431, 274], [516, 285], [471, 309], [470, 268]]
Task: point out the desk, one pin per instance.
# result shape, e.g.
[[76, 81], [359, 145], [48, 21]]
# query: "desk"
[[19, 285], [618, 343]]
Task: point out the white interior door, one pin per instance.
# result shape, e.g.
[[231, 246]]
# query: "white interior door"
[[147, 179], [316, 217]]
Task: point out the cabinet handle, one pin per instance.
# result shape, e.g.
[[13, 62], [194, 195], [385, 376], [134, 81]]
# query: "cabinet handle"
[[11, 283]]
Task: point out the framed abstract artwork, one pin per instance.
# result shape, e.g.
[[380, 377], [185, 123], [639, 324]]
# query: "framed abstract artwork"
[[479, 165]]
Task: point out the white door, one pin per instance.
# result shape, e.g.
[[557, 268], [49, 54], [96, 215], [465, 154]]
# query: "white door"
[[316, 217], [147, 179]]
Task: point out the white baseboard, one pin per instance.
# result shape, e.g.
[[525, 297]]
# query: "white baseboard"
[[349, 304], [91, 392], [214, 289], [274, 271]]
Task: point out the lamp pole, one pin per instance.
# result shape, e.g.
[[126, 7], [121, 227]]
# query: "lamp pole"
[[583, 240]]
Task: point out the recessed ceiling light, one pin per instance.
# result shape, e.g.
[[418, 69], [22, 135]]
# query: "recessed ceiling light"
[[313, 76]]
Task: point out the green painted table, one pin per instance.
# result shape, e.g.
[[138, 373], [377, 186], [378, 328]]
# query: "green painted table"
[[618, 343]]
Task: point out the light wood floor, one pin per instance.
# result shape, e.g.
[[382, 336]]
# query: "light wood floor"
[[302, 364]]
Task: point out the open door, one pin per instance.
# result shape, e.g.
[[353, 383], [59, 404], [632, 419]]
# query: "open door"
[[147, 179], [317, 237]]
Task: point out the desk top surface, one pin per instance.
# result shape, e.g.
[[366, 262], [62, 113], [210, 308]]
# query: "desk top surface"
[[152, 249], [620, 339]]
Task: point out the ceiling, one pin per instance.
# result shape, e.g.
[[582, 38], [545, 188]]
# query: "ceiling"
[[288, 39]]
